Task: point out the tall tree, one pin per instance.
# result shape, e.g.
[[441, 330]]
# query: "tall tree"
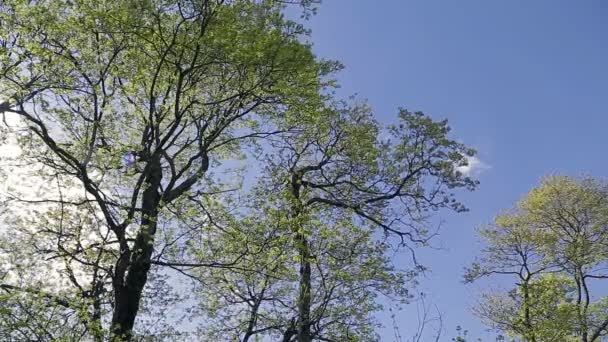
[[171, 87], [554, 242], [332, 183], [133, 114]]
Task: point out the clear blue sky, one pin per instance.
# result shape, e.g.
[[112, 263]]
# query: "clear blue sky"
[[524, 82]]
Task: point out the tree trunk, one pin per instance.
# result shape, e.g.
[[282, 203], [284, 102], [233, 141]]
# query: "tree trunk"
[[253, 317], [304, 298], [290, 331], [531, 335], [96, 317], [131, 271], [583, 303]]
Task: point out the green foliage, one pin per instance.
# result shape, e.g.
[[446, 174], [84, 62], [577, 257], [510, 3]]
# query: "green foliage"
[[350, 270], [549, 302], [553, 243], [198, 91]]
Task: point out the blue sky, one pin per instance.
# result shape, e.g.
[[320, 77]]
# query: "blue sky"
[[524, 82]]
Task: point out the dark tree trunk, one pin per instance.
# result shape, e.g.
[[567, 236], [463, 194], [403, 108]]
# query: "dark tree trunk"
[[304, 298], [530, 333], [131, 271], [290, 331], [253, 316], [96, 317], [583, 303]]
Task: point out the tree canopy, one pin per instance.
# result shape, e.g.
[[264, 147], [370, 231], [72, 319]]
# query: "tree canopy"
[[554, 245], [190, 156]]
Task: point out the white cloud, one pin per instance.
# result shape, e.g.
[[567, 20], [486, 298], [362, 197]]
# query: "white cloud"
[[474, 167]]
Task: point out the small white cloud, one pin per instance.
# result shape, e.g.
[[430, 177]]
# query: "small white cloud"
[[474, 167]]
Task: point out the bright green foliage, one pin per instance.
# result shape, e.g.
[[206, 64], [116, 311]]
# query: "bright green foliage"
[[185, 86], [258, 295], [554, 244], [331, 187], [551, 310], [138, 120], [574, 215]]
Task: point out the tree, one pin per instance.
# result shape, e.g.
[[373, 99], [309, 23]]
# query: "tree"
[[177, 86], [131, 115], [544, 313], [554, 242], [510, 250], [343, 169], [333, 185], [259, 297]]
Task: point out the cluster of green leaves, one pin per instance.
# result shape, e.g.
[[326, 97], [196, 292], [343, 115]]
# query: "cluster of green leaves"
[[331, 187], [553, 243], [198, 91], [259, 296]]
